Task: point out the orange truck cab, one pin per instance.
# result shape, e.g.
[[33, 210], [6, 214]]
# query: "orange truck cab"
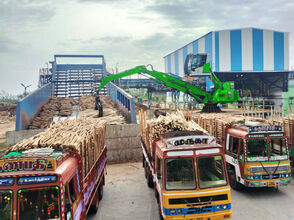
[[257, 155], [189, 176], [46, 183]]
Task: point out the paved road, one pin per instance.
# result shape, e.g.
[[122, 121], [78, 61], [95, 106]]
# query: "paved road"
[[127, 197]]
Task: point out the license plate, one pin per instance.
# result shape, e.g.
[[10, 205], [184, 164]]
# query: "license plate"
[[271, 184]]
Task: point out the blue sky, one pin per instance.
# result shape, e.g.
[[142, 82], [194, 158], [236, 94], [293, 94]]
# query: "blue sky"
[[127, 32]]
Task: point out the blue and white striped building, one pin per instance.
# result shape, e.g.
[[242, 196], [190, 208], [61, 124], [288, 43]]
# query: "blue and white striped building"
[[238, 50]]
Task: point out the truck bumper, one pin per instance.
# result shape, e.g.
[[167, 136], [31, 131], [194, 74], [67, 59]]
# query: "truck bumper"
[[269, 183], [209, 216]]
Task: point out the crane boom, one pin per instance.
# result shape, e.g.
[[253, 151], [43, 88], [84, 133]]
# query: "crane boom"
[[196, 65], [223, 92]]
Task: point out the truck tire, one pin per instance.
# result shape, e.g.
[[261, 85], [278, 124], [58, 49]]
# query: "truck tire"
[[233, 180], [94, 208], [149, 180], [100, 191], [145, 169]]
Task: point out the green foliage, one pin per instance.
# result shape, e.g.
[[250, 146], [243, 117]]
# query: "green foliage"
[[6, 97]]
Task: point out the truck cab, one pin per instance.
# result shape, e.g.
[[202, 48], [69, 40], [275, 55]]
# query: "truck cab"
[[190, 177], [45, 183], [257, 155]]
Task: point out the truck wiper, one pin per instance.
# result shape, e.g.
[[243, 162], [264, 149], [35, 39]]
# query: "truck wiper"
[[277, 167], [264, 168]]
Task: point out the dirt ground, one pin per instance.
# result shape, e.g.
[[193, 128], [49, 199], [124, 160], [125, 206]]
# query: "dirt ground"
[[6, 124]]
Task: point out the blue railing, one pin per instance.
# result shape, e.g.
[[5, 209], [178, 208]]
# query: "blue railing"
[[124, 101], [30, 106]]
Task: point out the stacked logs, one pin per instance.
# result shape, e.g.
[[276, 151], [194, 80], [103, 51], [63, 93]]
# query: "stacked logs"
[[152, 129], [84, 135]]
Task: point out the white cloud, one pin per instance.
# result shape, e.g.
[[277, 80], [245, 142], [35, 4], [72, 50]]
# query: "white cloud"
[[127, 32]]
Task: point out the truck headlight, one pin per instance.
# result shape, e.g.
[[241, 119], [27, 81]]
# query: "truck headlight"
[[179, 211], [225, 206], [218, 207], [172, 211]]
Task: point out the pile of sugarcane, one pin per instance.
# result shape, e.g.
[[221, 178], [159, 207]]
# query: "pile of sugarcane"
[[109, 115], [152, 129], [84, 135], [65, 134], [55, 106], [87, 102], [215, 123], [288, 125]]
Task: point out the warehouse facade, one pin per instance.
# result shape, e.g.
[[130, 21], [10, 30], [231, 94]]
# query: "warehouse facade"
[[241, 55]]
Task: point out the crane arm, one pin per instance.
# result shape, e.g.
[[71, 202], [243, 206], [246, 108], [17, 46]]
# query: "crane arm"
[[162, 78]]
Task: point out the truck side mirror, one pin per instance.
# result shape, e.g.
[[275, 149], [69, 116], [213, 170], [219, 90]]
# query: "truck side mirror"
[[158, 175]]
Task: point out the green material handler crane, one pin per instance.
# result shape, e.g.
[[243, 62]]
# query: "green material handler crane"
[[220, 92]]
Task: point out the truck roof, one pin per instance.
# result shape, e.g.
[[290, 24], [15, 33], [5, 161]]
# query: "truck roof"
[[249, 127], [183, 140]]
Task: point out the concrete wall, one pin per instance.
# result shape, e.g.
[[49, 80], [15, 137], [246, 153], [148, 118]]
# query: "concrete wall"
[[12, 137], [123, 143]]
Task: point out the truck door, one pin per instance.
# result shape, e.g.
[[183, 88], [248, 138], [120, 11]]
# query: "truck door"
[[158, 168], [71, 195], [241, 156], [67, 203], [233, 147]]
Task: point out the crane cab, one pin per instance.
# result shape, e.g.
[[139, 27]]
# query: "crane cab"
[[194, 65]]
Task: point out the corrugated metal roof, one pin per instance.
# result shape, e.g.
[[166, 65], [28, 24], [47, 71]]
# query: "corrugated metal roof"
[[223, 30]]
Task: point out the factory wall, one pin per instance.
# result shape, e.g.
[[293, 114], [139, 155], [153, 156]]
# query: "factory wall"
[[30, 106], [246, 50]]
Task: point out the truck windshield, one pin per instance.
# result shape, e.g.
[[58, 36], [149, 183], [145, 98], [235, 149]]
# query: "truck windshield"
[[5, 204], [277, 147], [38, 203], [180, 174], [211, 172], [256, 148]]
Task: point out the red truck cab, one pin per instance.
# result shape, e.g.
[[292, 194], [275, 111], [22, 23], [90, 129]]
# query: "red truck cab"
[[48, 183], [257, 155]]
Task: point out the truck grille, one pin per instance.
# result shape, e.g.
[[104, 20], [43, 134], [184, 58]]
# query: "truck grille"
[[268, 169], [198, 200], [271, 176]]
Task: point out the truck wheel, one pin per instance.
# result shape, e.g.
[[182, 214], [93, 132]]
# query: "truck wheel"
[[150, 181], [100, 191], [145, 169], [233, 180], [94, 208]]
